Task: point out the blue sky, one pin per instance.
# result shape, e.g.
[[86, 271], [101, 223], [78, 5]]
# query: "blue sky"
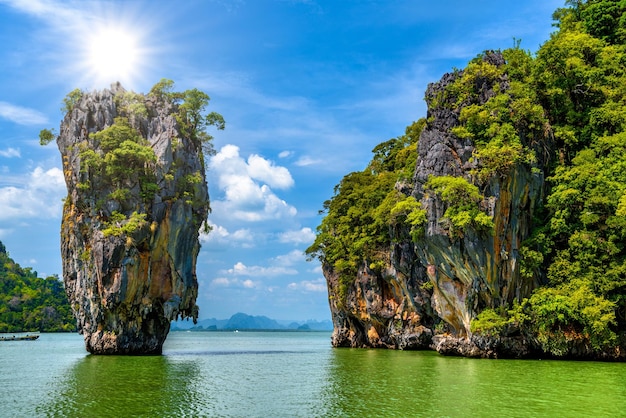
[[307, 89]]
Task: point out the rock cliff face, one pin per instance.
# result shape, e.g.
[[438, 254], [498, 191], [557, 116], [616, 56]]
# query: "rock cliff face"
[[432, 288], [137, 196]]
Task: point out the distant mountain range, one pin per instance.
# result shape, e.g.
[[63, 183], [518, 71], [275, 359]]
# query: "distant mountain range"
[[242, 321]]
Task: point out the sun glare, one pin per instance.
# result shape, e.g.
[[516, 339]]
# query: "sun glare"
[[113, 54]]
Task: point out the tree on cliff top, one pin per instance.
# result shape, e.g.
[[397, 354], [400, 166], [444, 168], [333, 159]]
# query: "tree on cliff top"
[[119, 157], [191, 118]]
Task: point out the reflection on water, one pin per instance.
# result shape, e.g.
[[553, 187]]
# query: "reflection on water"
[[294, 375], [132, 386], [200, 374], [379, 383], [409, 384]]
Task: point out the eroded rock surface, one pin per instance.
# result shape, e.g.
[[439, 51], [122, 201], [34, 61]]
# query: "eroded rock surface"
[[129, 238]]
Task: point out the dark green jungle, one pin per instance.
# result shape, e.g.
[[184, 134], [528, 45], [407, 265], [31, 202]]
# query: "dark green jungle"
[[30, 303]]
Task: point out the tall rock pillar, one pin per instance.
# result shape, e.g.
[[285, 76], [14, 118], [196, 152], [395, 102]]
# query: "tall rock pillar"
[[137, 197]]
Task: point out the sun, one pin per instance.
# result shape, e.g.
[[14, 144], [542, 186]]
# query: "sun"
[[113, 54]]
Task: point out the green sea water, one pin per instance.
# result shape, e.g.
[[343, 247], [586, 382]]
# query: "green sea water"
[[292, 374]]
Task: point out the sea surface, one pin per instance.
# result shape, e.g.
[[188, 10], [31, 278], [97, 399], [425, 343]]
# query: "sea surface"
[[293, 374]]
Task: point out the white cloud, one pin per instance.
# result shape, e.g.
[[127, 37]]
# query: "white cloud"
[[281, 265], [221, 236], [248, 284], [21, 115], [229, 162], [10, 153], [240, 269], [289, 259], [301, 236], [226, 152], [317, 285], [221, 281], [263, 170], [285, 154], [307, 161], [39, 197], [234, 282], [247, 187]]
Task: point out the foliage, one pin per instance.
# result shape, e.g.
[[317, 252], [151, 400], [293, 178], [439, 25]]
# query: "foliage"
[[558, 319], [119, 225], [489, 322], [509, 124], [46, 136], [588, 223], [163, 90], [132, 104], [72, 98], [463, 205], [191, 117], [604, 19], [356, 228], [120, 158], [409, 211], [569, 84], [31, 303], [568, 314], [349, 233]]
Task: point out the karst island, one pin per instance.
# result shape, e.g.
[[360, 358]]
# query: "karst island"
[[134, 165], [495, 227]]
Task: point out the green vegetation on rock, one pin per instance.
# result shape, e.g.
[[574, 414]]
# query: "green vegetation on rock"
[[462, 199], [365, 206], [122, 157], [117, 159], [579, 78], [190, 117]]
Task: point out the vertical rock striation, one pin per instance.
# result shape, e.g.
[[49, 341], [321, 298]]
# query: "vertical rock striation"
[[137, 196]]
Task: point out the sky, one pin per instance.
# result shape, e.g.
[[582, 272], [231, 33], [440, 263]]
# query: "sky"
[[307, 88]]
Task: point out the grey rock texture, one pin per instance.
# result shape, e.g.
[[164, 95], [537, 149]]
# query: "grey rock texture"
[[126, 288]]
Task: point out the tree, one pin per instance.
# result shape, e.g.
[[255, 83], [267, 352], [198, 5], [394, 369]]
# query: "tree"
[[46, 136], [191, 117], [463, 205]]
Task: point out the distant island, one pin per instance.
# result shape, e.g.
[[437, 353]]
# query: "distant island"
[[242, 322]]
